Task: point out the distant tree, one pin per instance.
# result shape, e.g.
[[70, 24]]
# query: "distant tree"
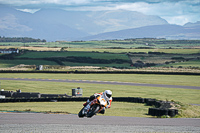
[[20, 39]]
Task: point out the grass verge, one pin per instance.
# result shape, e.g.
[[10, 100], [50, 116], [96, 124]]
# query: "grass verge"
[[117, 109], [185, 80], [188, 111]]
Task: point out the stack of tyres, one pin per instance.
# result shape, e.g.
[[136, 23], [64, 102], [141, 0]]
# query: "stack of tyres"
[[161, 112], [173, 112], [152, 111], [151, 102], [158, 104]]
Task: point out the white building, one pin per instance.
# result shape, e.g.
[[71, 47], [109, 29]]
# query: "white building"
[[9, 51]]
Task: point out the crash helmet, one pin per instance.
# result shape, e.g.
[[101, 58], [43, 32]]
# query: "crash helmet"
[[107, 94]]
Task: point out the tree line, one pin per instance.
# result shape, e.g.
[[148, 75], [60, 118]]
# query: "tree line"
[[20, 39], [158, 41]]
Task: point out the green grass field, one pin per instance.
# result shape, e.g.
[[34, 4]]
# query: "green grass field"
[[173, 51], [98, 65], [185, 80], [183, 60], [74, 53], [118, 108], [12, 63], [179, 51], [93, 59], [117, 58], [193, 63], [128, 43], [185, 96], [105, 50]]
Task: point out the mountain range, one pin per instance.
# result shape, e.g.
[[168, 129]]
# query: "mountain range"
[[57, 24], [169, 31]]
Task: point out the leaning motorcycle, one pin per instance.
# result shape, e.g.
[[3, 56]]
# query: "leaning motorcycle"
[[96, 106]]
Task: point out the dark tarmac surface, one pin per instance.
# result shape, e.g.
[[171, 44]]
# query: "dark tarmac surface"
[[39, 122], [105, 82]]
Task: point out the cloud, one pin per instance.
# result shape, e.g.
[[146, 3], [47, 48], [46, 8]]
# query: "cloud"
[[29, 10], [28, 2], [175, 13]]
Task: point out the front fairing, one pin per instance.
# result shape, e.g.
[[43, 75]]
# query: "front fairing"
[[102, 101]]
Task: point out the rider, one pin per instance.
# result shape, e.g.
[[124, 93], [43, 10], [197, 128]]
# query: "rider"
[[107, 95]]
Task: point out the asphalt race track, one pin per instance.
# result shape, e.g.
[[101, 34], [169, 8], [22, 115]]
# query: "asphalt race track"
[[105, 82], [39, 122]]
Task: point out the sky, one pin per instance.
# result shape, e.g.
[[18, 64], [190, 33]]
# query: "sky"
[[174, 11]]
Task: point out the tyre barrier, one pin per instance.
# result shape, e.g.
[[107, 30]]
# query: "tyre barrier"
[[129, 99], [161, 107], [102, 72], [43, 99], [162, 112]]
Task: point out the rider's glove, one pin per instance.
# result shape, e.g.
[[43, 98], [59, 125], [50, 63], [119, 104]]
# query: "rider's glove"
[[106, 106]]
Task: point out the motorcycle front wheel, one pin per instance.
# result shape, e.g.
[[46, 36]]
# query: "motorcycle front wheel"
[[93, 110], [81, 114]]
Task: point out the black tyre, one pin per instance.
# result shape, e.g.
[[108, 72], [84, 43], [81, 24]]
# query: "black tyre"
[[171, 112], [93, 110], [80, 114], [164, 112], [151, 111]]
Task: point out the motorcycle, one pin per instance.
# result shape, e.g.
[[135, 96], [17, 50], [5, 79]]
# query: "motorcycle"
[[96, 106]]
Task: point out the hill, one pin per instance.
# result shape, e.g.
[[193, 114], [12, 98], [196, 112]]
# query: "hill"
[[155, 31], [56, 24]]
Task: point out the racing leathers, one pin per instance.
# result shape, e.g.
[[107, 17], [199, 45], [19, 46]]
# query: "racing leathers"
[[108, 99]]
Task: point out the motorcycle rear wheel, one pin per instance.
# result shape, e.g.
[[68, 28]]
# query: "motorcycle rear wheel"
[[93, 110]]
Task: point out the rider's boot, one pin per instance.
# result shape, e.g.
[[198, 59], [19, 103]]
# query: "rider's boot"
[[102, 111]]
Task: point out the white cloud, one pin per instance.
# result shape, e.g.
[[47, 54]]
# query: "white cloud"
[[175, 13], [140, 7], [27, 2], [29, 10], [180, 20]]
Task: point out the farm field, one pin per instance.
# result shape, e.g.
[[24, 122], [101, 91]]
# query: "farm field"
[[71, 58], [121, 54], [127, 43], [191, 63], [72, 53], [175, 51], [12, 63], [121, 60], [110, 50]]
